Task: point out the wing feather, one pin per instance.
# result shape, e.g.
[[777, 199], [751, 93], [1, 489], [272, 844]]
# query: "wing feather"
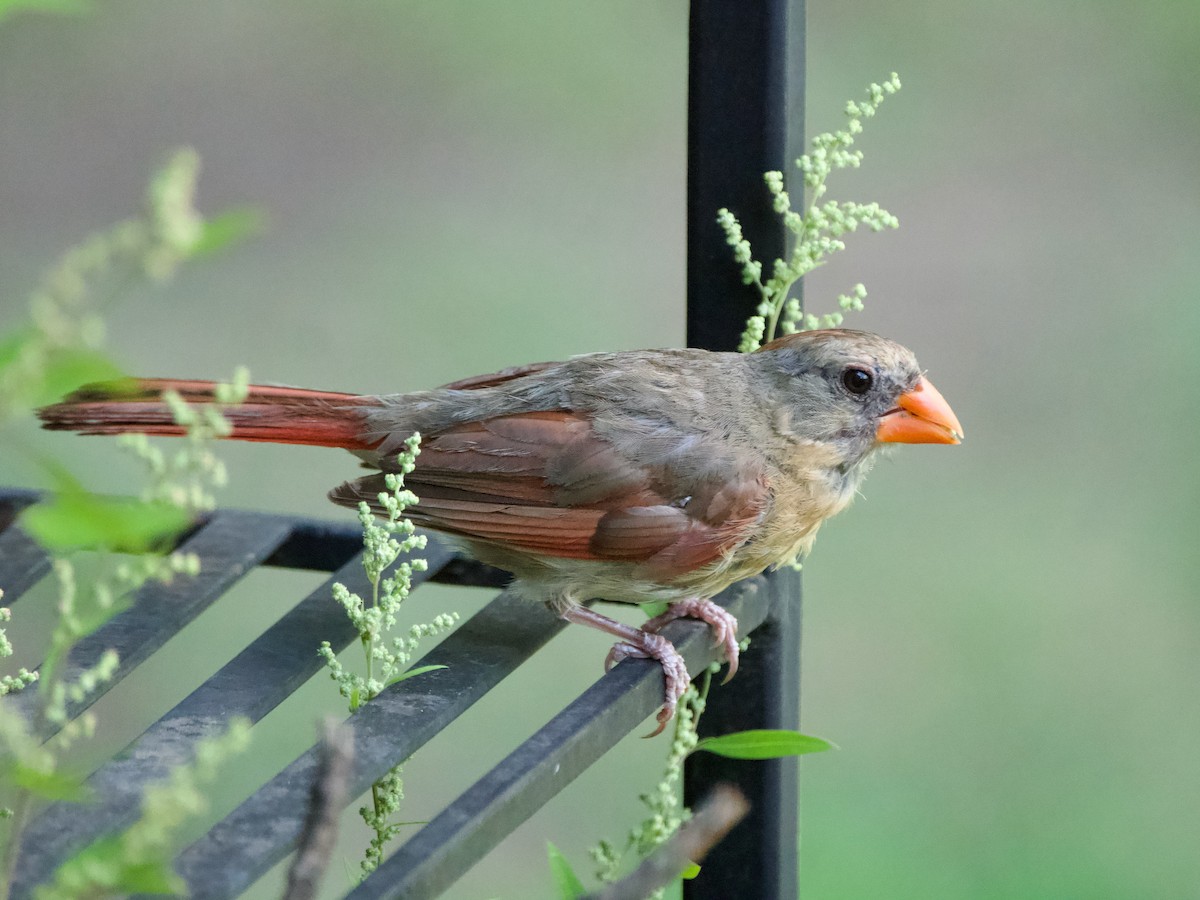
[[545, 484]]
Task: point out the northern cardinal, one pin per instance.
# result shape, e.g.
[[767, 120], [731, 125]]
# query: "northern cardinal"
[[657, 475]]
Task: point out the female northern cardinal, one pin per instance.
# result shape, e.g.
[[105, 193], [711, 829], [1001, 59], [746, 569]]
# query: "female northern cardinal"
[[657, 475]]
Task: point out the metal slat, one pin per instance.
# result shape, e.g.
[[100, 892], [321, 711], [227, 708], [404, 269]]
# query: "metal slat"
[[478, 655], [229, 545], [13, 500], [22, 562], [252, 684], [463, 833]]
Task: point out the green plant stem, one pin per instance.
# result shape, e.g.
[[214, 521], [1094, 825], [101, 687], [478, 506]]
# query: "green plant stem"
[[12, 850], [376, 799], [780, 300], [368, 640], [776, 310]]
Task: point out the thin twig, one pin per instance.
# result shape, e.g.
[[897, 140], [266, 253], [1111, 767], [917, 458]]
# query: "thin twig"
[[325, 806], [723, 808]]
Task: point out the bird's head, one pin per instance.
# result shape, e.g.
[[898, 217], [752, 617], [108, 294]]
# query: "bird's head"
[[855, 390]]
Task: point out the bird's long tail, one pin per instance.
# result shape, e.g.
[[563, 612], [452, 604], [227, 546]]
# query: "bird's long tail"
[[280, 415]]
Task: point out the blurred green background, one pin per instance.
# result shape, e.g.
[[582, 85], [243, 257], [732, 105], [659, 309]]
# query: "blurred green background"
[[1002, 637]]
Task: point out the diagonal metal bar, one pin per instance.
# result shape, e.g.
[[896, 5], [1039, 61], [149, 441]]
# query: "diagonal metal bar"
[[229, 545], [22, 562], [478, 655], [464, 832], [252, 684], [13, 500]]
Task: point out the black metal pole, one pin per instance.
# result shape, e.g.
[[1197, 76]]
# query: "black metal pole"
[[745, 117]]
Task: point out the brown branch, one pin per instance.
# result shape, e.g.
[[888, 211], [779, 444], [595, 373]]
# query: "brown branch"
[[723, 808], [325, 806]]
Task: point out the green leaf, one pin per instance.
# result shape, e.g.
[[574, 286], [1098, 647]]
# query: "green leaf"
[[568, 883], [71, 369], [419, 670], [79, 520], [228, 228], [50, 785], [763, 743], [690, 872], [76, 519]]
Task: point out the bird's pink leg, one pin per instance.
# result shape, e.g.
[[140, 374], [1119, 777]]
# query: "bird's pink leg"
[[722, 622], [642, 645]]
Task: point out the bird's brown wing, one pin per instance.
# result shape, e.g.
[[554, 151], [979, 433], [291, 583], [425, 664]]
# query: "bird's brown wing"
[[545, 483]]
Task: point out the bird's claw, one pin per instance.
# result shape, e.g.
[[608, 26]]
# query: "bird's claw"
[[619, 651], [721, 621], [647, 643], [665, 715], [675, 673]]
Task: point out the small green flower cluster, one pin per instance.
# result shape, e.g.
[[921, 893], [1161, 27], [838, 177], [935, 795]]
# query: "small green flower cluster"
[[664, 802], [818, 231], [384, 541], [386, 796], [10, 684]]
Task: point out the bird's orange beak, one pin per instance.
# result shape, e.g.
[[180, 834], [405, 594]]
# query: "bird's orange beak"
[[921, 416]]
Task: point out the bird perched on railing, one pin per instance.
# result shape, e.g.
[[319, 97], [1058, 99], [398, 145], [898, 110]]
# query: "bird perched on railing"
[[642, 476]]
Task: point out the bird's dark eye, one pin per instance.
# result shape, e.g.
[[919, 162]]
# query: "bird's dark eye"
[[857, 381]]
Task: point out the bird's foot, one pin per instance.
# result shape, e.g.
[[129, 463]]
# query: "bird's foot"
[[720, 620], [640, 644], [675, 673]]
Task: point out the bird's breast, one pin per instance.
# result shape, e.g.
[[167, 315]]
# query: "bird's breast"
[[809, 487]]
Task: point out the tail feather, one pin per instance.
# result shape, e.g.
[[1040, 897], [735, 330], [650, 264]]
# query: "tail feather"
[[280, 415]]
